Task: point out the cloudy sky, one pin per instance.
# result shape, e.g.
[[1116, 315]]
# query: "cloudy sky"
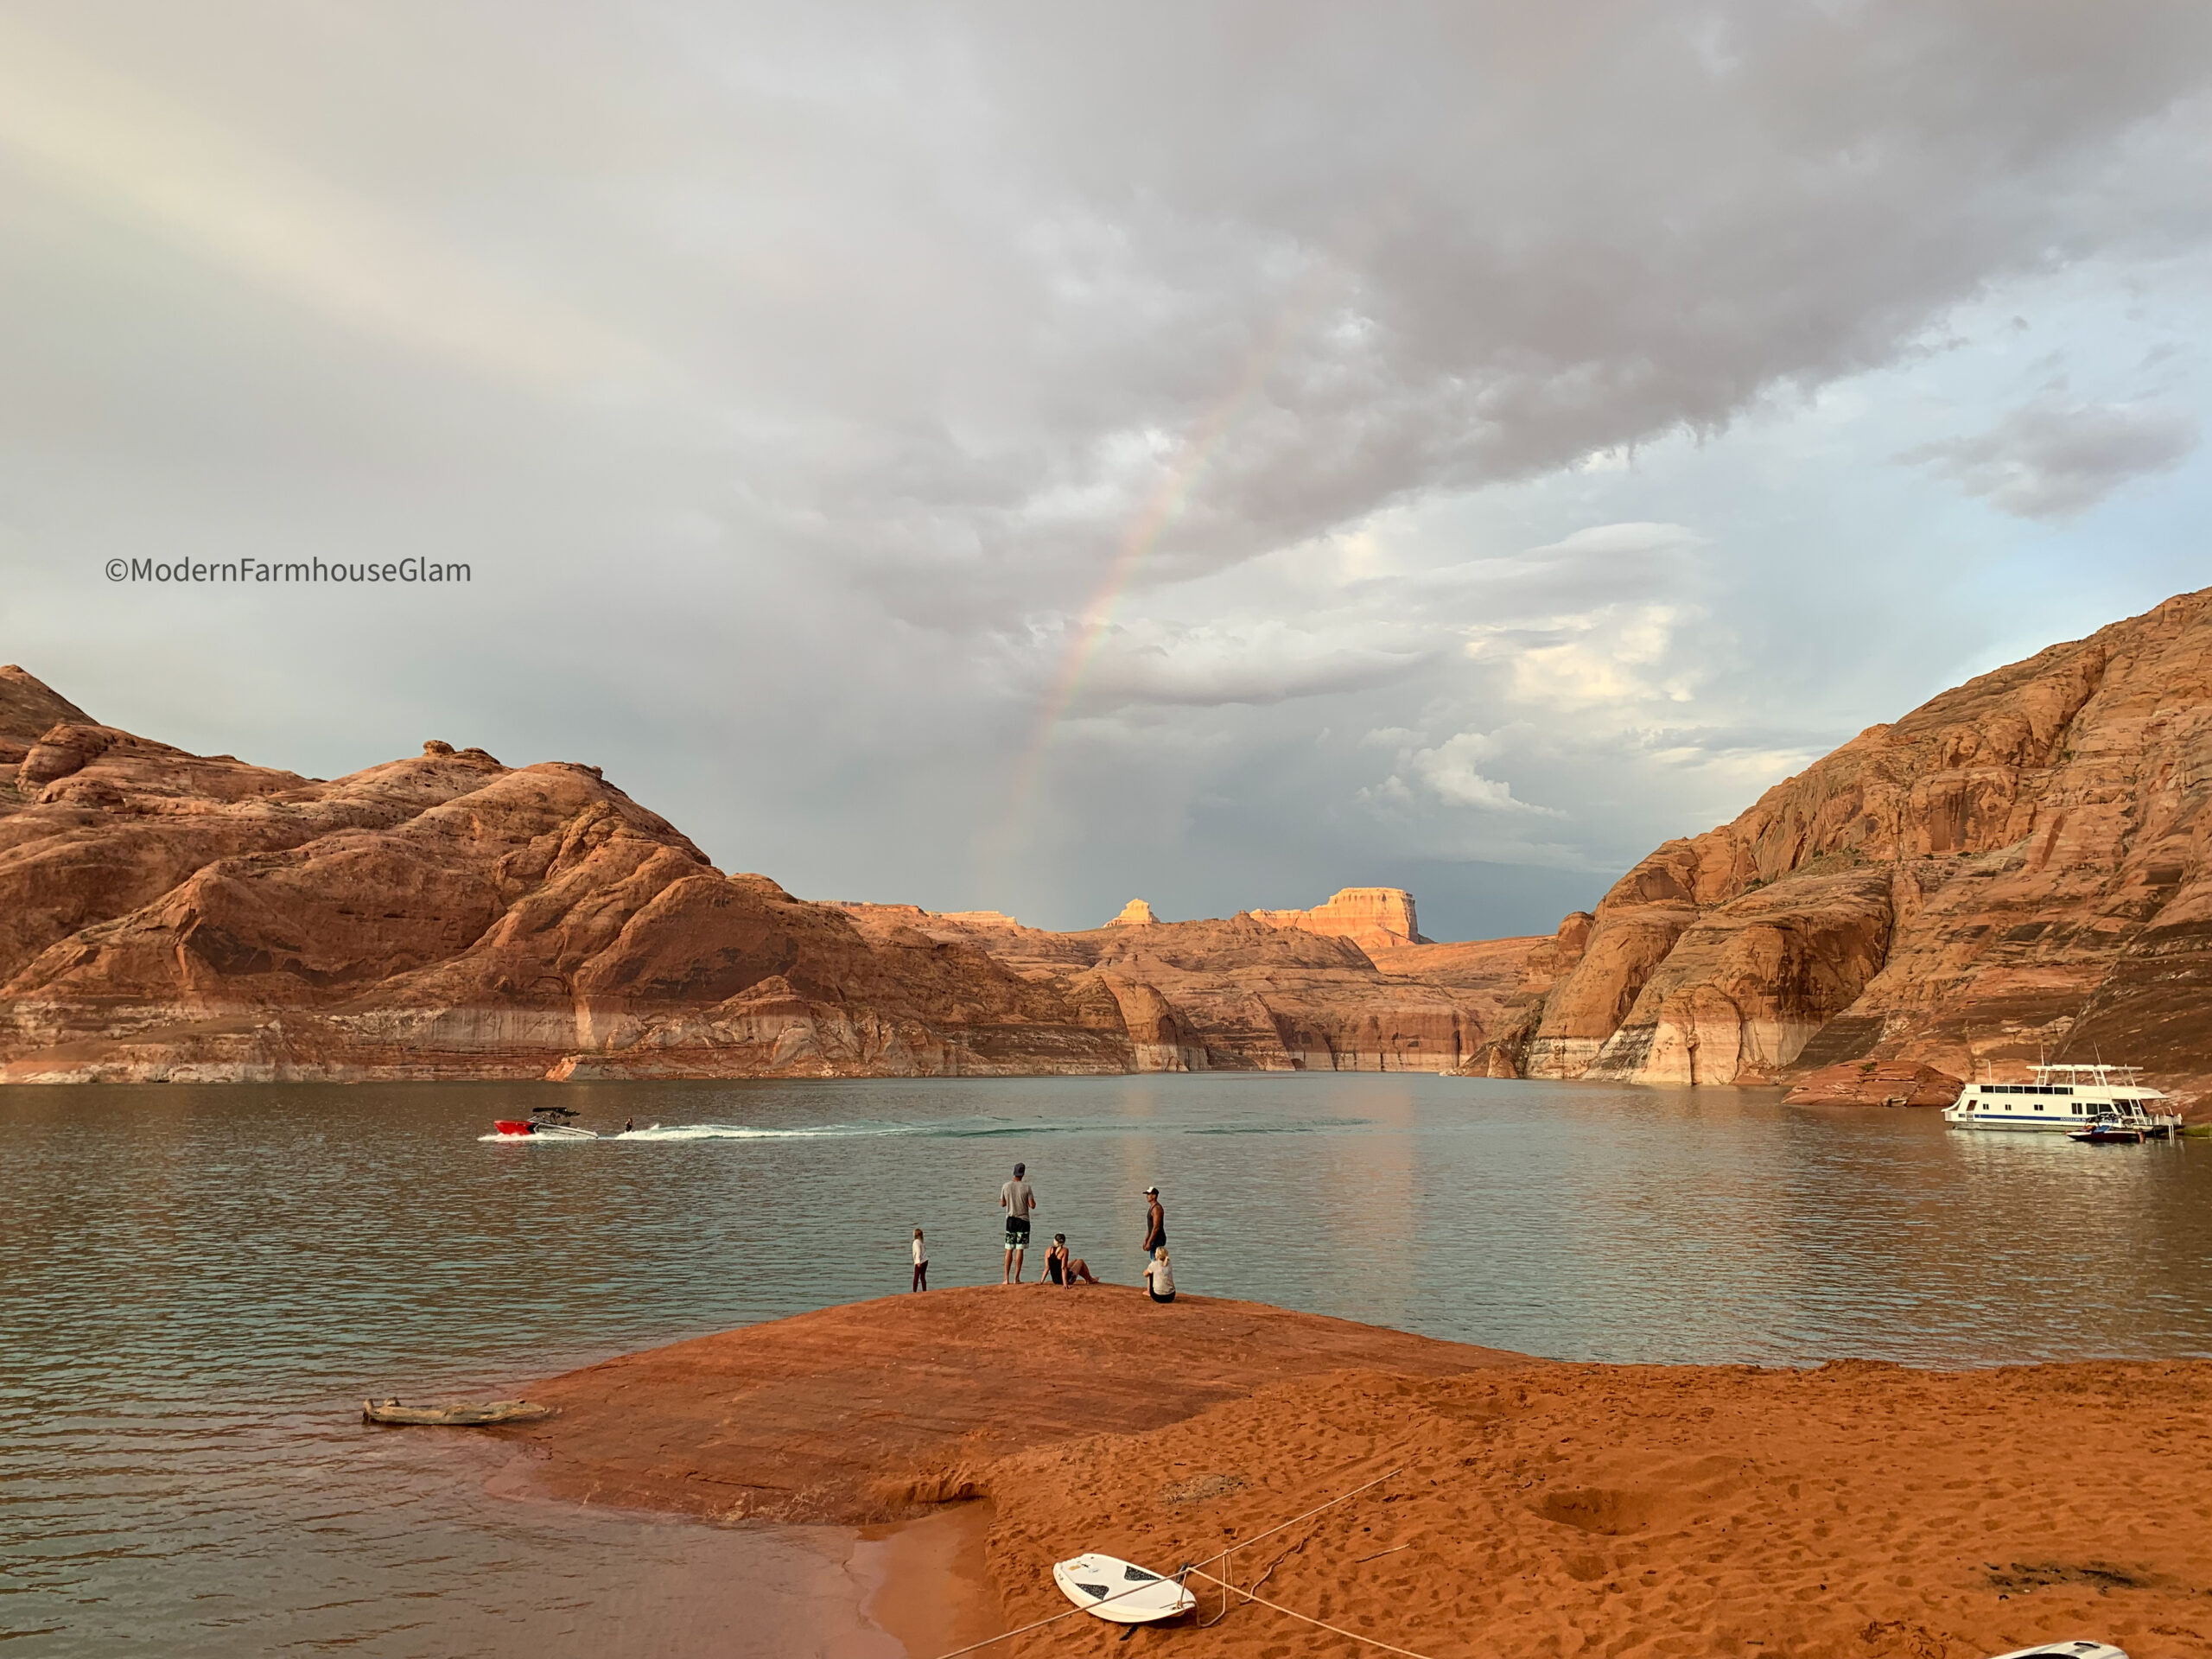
[[1023, 456]]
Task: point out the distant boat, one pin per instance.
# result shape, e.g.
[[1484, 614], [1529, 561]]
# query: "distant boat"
[[2067, 1100], [541, 1125]]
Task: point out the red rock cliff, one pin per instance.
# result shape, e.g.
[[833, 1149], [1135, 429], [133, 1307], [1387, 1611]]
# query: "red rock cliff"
[[166, 915], [2016, 866]]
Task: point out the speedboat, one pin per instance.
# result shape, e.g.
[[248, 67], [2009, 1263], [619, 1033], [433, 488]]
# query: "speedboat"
[[545, 1124], [2067, 1100], [2107, 1132]]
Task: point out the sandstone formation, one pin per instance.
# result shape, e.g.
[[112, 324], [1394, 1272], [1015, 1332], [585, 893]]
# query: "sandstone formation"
[[1374, 918], [171, 916], [27, 710], [1874, 1083], [1247, 995], [2016, 867]]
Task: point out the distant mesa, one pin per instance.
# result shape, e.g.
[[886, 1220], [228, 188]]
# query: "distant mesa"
[[1374, 918], [1136, 913]]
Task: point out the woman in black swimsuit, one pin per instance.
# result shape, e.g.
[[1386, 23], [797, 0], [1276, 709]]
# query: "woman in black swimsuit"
[[1064, 1269]]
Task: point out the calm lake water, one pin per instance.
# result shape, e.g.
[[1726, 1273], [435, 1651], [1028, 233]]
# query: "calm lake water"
[[199, 1285]]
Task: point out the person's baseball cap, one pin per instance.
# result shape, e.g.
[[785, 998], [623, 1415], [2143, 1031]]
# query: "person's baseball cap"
[[1154, 1190]]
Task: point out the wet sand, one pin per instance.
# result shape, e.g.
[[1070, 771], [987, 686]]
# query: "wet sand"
[[1537, 1509]]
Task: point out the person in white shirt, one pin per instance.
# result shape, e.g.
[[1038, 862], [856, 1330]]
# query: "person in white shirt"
[[1159, 1277], [921, 1263], [1017, 1198]]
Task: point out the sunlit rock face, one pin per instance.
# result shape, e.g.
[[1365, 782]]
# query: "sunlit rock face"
[[2016, 867], [1374, 918]]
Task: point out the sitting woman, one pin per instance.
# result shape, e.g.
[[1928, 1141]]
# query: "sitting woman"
[[1062, 1268], [1159, 1278]]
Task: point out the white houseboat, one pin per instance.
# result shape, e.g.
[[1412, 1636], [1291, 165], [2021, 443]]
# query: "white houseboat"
[[2064, 1098]]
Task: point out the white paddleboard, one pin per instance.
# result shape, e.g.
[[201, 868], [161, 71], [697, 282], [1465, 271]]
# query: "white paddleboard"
[[1118, 1592]]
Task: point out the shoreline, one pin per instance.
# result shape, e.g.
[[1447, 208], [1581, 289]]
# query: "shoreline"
[[1857, 1509]]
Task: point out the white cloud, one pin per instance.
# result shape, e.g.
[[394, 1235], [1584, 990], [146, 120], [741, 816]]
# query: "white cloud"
[[1619, 658], [1262, 661], [1451, 770]]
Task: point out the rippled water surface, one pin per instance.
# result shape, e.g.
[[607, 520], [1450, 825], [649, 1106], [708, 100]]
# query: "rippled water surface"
[[199, 1285]]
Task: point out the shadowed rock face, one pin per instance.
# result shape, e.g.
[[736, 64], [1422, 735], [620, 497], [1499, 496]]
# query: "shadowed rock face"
[[2017, 866], [1248, 995], [166, 915]]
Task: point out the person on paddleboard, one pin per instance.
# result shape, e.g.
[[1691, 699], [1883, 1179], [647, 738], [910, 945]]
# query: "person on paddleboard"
[[1017, 1198]]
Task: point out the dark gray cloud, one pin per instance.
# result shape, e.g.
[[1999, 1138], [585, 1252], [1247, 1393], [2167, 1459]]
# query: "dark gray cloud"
[[2054, 459], [828, 395]]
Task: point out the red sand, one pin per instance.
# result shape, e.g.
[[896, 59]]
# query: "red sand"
[[879, 1410], [1541, 1510]]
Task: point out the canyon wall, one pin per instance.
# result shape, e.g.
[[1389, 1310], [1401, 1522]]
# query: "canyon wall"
[[2018, 867], [170, 916]]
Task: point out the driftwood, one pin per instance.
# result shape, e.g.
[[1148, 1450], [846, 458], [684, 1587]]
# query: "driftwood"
[[484, 1416]]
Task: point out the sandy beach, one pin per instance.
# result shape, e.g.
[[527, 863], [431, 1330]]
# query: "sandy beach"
[[1529, 1508]]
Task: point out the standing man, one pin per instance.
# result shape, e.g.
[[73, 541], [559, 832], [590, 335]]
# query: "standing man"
[[1017, 1198], [1155, 1224]]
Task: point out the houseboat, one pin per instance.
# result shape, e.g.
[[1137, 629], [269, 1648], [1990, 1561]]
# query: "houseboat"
[[2063, 1099]]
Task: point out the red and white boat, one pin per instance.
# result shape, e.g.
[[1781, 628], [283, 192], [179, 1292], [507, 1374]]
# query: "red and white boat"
[[541, 1128]]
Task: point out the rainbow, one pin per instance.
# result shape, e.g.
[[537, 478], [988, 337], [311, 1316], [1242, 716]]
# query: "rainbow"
[[1167, 503]]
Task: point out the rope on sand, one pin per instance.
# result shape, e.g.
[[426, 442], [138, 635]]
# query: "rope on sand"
[[1292, 1612], [1008, 1635]]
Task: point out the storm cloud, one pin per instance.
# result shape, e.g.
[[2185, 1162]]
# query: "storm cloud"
[[1008, 457]]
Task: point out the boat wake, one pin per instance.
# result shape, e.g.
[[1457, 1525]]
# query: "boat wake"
[[725, 1132], [746, 1131]]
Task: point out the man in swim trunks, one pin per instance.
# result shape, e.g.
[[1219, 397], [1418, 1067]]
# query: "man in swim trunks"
[[1017, 1198], [1155, 1224]]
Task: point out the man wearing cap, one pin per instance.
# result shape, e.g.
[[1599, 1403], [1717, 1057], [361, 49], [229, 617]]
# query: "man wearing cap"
[[1155, 1223], [1017, 1198]]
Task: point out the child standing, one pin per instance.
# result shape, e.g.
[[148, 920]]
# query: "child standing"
[[921, 1263]]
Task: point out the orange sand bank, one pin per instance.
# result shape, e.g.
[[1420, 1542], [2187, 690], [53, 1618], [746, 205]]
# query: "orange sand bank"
[[880, 1410], [1541, 1510], [1853, 1511]]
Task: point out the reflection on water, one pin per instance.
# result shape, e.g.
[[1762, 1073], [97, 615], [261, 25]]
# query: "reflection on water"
[[198, 1285]]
